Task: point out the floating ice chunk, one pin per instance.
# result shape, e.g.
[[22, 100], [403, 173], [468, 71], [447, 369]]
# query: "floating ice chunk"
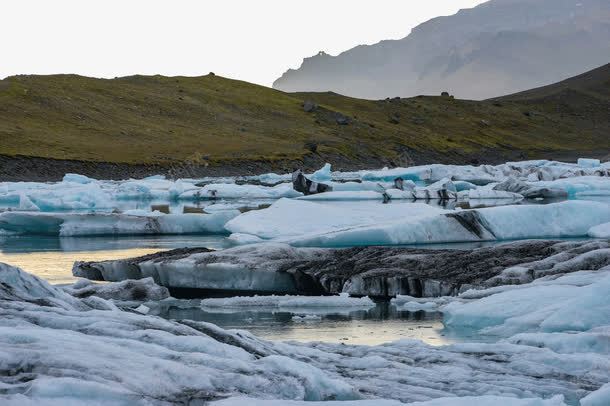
[[566, 219], [343, 301], [600, 397], [461, 185], [322, 174], [428, 304], [142, 309], [233, 191], [592, 341], [344, 196], [205, 269], [397, 194], [75, 178], [417, 306], [600, 231], [243, 239], [77, 224], [581, 186], [551, 307], [482, 193], [588, 163], [292, 218], [25, 204], [365, 185], [129, 290]]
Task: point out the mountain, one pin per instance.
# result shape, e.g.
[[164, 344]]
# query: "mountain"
[[496, 48], [195, 126]]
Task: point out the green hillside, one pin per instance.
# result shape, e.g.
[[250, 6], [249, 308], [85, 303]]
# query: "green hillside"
[[214, 121]]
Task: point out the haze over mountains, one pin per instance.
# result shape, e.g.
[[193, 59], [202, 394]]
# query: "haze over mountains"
[[496, 48]]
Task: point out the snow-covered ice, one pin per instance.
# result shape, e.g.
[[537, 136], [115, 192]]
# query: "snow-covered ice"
[[566, 219], [600, 231], [293, 218], [575, 302], [121, 357]]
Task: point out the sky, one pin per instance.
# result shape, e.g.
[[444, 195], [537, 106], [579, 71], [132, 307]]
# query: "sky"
[[249, 40]]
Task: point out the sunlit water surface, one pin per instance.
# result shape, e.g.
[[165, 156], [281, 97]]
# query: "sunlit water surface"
[[380, 324]]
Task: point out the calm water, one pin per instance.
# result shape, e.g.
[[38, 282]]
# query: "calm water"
[[52, 257], [381, 324]]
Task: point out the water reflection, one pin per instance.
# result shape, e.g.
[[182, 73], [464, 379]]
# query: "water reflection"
[[381, 324], [52, 257]]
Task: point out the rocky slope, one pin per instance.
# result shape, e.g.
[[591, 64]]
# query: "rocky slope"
[[498, 47]]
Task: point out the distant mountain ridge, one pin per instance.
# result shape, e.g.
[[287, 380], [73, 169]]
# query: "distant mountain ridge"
[[499, 47]]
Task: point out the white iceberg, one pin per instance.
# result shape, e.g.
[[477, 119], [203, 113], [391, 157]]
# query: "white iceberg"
[[233, 191], [322, 174], [576, 302], [566, 219], [588, 163], [580, 186], [81, 224], [600, 231], [293, 218]]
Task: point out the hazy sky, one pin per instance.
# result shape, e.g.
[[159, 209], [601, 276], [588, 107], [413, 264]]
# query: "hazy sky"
[[243, 39]]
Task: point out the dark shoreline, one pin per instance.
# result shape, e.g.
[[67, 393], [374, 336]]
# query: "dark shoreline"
[[36, 169]]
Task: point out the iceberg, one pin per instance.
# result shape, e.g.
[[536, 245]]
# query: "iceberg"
[[323, 174], [233, 191], [293, 218], [127, 291], [360, 271], [538, 170], [579, 187], [600, 231], [566, 219], [588, 163], [139, 223], [566, 303], [76, 178]]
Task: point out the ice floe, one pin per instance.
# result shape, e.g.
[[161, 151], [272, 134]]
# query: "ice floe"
[[130, 223], [127, 291], [566, 219], [544, 178], [360, 271], [292, 218], [600, 231], [566, 303]]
